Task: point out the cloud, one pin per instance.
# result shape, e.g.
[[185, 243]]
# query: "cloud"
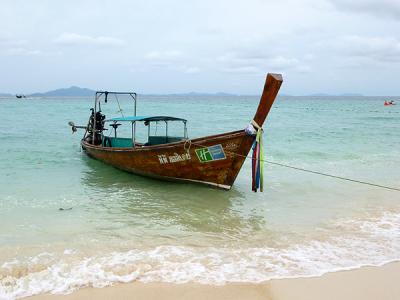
[[379, 8], [21, 47], [377, 49], [257, 63], [243, 44], [7, 41], [21, 51], [170, 59], [74, 39], [163, 55], [191, 70]]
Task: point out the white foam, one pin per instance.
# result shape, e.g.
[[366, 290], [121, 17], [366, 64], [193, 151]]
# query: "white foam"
[[372, 242]]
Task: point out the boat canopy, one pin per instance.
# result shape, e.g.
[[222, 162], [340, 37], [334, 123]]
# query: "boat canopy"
[[145, 119]]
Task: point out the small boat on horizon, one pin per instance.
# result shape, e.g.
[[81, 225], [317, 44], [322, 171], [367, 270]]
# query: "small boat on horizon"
[[211, 160], [20, 96], [390, 102]]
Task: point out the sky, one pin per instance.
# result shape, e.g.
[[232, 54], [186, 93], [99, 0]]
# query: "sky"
[[172, 46]]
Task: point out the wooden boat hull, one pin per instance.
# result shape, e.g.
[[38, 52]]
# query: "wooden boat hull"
[[183, 161]]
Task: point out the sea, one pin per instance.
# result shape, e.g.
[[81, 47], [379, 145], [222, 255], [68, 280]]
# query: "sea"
[[68, 221]]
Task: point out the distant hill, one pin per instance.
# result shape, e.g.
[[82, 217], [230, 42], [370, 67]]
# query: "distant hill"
[[73, 91], [336, 95], [196, 94], [351, 95], [319, 95]]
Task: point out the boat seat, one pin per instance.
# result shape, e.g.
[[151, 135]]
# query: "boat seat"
[[115, 126], [119, 142]]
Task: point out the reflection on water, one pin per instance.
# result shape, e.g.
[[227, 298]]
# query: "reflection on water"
[[196, 214]]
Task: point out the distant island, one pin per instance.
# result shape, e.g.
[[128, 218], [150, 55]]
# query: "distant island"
[[195, 94], [335, 95], [73, 91]]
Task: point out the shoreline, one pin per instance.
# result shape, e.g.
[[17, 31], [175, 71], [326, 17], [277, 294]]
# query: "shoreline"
[[365, 283]]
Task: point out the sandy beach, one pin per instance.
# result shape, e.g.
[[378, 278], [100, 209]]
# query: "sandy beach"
[[366, 283]]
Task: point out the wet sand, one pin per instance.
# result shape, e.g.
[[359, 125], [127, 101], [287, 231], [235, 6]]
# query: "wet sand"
[[366, 283]]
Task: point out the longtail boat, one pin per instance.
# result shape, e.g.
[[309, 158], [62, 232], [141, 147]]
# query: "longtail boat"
[[212, 160]]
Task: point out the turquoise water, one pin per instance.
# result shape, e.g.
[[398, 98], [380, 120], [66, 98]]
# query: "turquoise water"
[[123, 227]]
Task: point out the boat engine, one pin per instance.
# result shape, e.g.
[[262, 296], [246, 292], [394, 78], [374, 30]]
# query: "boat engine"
[[99, 127]]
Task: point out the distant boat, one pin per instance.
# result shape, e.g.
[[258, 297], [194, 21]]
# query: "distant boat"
[[388, 103], [212, 160], [20, 96]]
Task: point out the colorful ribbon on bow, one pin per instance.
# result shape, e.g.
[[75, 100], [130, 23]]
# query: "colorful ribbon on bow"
[[258, 163]]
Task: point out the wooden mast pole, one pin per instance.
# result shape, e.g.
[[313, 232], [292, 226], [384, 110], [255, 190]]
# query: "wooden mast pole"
[[271, 88]]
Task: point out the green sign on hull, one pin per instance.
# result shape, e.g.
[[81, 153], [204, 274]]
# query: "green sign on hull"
[[210, 153]]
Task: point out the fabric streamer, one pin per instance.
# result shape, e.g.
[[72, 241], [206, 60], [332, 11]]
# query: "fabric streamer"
[[257, 163], [253, 167]]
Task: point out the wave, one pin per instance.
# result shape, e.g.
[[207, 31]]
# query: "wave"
[[356, 243]]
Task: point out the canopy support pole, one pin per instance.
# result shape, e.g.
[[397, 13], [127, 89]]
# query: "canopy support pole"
[[134, 134], [94, 119], [185, 135], [166, 131]]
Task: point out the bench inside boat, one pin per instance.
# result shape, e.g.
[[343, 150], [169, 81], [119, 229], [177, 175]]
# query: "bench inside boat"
[[123, 142]]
